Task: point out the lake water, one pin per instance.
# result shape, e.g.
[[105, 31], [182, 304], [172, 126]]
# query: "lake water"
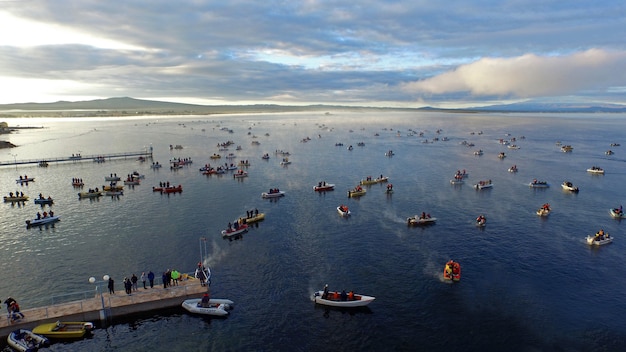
[[528, 284]]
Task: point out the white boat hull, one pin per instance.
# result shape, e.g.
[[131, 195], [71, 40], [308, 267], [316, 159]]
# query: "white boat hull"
[[272, 195], [592, 241], [42, 221], [415, 220], [616, 215], [217, 307], [23, 340], [359, 301], [343, 213]]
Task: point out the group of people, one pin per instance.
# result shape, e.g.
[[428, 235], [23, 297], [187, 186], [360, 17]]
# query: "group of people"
[[273, 190], [618, 211], [336, 296], [252, 213], [77, 181], [481, 219], [601, 235], [13, 310], [131, 284], [45, 214], [424, 216], [42, 197], [17, 194]]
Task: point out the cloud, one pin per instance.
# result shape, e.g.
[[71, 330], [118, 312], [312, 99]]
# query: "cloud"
[[530, 75]]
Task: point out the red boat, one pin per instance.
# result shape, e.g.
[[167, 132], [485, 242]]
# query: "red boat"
[[323, 187], [172, 189], [452, 271]]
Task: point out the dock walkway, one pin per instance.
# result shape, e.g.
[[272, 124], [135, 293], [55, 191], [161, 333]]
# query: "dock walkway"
[[79, 158], [104, 307]]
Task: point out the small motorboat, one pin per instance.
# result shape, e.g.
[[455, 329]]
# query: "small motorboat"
[[483, 184], [285, 161], [357, 192], [335, 299], [370, 181], [567, 149], [617, 213], [596, 170], [25, 180], [599, 239], [215, 156], [9, 199], [323, 187], [539, 184], [544, 210], [114, 193], [452, 271], [91, 194], [273, 193], [424, 219], [568, 186], [113, 187], [501, 155], [457, 181], [240, 174], [343, 210], [253, 218], [44, 200], [481, 221], [513, 168], [609, 152], [478, 152], [64, 330], [172, 189], [132, 182], [23, 340], [232, 231], [113, 178], [217, 307], [42, 221]]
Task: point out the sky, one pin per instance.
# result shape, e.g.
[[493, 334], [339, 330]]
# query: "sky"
[[413, 53]]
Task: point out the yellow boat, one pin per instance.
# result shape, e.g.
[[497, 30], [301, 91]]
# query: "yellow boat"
[[357, 192], [64, 330], [374, 181], [113, 188], [254, 218], [15, 199], [89, 194]]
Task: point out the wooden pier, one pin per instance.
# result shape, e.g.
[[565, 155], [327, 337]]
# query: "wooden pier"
[[104, 307], [74, 158]]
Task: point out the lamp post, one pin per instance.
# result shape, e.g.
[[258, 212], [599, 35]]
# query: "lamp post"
[[14, 160], [92, 280]]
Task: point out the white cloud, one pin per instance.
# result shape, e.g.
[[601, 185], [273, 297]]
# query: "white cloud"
[[530, 75]]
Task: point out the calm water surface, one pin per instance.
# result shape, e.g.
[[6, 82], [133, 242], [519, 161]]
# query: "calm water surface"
[[529, 283]]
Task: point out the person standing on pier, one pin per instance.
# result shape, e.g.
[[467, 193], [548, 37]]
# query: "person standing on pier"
[[164, 278], [151, 278], [143, 280], [133, 280], [111, 286]]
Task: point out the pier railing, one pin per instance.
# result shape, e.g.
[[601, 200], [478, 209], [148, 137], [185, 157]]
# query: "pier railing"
[[79, 158]]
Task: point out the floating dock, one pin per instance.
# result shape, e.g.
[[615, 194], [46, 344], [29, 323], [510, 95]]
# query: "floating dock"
[[104, 307], [80, 158]]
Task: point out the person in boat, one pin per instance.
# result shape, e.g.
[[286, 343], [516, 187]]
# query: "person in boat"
[[325, 293], [10, 194], [343, 296], [38, 215], [51, 213], [423, 216], [229, 226], [389, 186], [351, 296], [205, 302], [256, 211], [45, 214], [21, 194]]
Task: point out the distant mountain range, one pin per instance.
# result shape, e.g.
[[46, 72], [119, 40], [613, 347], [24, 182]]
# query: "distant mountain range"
[[131, 106]]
